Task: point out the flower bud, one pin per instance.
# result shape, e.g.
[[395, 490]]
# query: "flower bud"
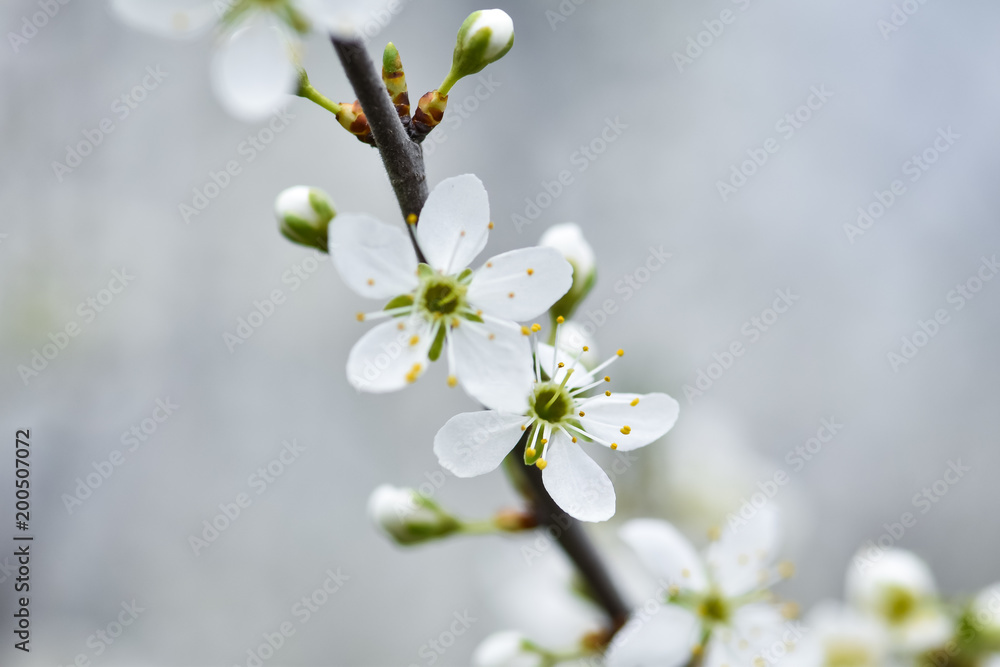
[[506, 649], [407, 516], [304, 214], [568, 239], [485, 37]]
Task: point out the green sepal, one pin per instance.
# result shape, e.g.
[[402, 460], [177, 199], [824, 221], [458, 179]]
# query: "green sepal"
[[302, 232], [435, 352], [400, 301], [424, 271], [465, 276]]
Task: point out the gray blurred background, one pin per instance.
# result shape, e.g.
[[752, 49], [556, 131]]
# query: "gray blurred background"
[[655, 185]]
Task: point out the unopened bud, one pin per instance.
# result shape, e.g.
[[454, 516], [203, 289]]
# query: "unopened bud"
[[485, 37], [407, 516], [430, 111], [568, 239], [304, 215], [394, 79]]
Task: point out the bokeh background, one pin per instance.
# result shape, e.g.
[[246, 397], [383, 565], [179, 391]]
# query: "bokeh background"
[[575, 67]]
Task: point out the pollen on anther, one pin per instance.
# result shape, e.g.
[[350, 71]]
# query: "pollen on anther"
[[400, 326], [361, 317], [414, 340], [562, 365], [626, 429], [607, 393], [614, 445], [462, 233], [412, 218], [371, 281], [574, 438], [492, 336], [530, 452], [607, 378], [531, 272], [541, 463], [620, 353], [511, 295], [490, 226], [560, 319], [536, 327], [544, 441], [524, 427], [635, 402], [452, 380], [489, 265], [479, 313], [582, 413], [525, 330], [455, 322]]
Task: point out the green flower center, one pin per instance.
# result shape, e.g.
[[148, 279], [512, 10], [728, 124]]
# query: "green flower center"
[[847, 654], [714, 608], [441, 296], [898, 604], [551, 403]]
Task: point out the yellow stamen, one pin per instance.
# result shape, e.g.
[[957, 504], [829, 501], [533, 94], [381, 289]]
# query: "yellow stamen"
[[414, 373], [371, 281], [490, 226], [530, 452], [400, 326], [561, 365], [607, 393], [541, 464], [531, 272], [511, 295], [560, 319], [492, 336], [586, 349], [582, 413], [607, 378], [614, 445], [452, 380], [544, 441], [574, 438], [536, 327], [525, 331], [626, 429], [489, 265], [414, 340], [620, 353], [635, 402], [412, 218], [361, 317], [786, 569]]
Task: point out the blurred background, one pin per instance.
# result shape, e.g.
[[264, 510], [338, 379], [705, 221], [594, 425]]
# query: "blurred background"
[[165, 290]]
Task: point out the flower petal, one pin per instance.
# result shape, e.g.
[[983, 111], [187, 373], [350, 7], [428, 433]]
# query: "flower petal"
[[474, 443], [454, 224], [742, 551], [666, 553], [648, 418], [387, 358], [374, 259], [663, 638], [577, 484], [581, 376], [521, 284], [252, 70], [181, 19], [758, 627], [493, 364]]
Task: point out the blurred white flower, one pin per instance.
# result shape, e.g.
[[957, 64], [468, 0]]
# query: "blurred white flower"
[[505, 649], [443, 307], [716, 605], [557, 413], [897, 588], [838, 635], [254, 67], [985, 612], [568, 239], [407, 516]]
